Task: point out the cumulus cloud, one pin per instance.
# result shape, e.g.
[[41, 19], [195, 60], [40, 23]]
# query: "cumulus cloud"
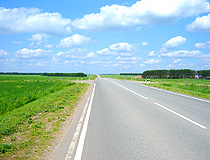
[[201, 24], [174, 42], [74, 53], [122, 48], [3, 54], [30, 53], [144, 44], [23, 20], [152, 53], [177, 61], [202, 45], [38, 38], [182, 53], [152, 61], [49, 46], [144, 12], [91, 54], [73, 41]]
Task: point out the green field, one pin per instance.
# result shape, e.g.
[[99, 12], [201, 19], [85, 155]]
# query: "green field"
[[32, 111], [195, 87], [17, 91]]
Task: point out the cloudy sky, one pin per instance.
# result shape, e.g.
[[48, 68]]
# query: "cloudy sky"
[[111, 36]]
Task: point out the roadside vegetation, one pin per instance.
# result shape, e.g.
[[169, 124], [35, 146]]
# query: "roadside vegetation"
[[33, 110], [194, 87], [122, 77]]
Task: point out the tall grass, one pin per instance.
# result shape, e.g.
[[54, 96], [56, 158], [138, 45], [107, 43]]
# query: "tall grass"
[[16, 94]]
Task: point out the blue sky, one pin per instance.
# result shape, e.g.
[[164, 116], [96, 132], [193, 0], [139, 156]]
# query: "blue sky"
[[104, 36]]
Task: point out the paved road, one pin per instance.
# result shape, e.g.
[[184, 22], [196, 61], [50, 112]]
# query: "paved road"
[[127, 120]]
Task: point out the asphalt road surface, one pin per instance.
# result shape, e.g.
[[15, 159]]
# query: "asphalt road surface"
[[125, 120]]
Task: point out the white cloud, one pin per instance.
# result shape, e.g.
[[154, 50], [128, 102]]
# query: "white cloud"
[[182, 53], [169, 66], [60, 53], [153, 61], [115, 65], [201, 24], [123, 49], [39, 38], [91, 54], [49, 46], [73, 41], [202, 45], [174, 42], [177, 61], [3, 54], [127, 62], [144, 44], [163, 50], [144, 12], [23, 20], [152, 53], [41, 64], [74, 53], [128, 58], [95, 62], [29, 53]]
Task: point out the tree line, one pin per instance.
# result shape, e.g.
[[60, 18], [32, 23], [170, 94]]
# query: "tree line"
[[47, 74], [177, 74], [17, 73], [135, 74], [65, 74]]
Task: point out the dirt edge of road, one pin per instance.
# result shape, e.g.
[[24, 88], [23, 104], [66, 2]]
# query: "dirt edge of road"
[[59, 135]]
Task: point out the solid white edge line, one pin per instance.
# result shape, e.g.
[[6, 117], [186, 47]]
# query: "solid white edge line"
[[76, 134], [129, 90], [189, 120], [80, 146]]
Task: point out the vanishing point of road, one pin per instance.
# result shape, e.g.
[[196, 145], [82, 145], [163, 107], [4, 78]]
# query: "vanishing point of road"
[[125, 120]]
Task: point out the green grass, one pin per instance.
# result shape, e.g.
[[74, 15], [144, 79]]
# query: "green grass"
[[195, 87], [27, 130], [16, 94]]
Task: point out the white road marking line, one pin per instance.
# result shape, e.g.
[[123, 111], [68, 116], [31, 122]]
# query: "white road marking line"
[[189, 120], [203, 100], [129, 90], [84, 129], [76, 134]]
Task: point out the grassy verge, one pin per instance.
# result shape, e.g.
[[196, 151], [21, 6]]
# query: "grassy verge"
[[28, 131], [193, 87]]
